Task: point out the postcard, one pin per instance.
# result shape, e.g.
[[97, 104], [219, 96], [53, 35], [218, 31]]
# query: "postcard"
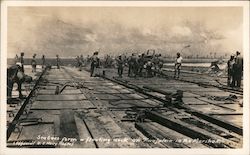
[[125, 77]]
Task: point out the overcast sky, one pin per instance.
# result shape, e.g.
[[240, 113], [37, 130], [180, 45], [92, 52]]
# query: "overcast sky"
[[71, 31]]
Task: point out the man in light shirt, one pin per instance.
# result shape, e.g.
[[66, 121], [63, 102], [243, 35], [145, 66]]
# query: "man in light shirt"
[[177, 65]]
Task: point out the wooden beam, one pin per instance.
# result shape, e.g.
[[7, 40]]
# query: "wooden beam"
[[68, 126], [155, 134], [163, 120]]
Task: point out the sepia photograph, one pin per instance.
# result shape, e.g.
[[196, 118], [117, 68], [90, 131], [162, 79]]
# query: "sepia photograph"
[[163, 76]]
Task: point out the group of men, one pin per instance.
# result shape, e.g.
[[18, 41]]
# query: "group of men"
[[235, 70], [152, 64], [16, 72], [136, 64], [33, 61], [140, 65]]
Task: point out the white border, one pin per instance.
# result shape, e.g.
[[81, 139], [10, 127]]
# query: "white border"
[[244, 4]]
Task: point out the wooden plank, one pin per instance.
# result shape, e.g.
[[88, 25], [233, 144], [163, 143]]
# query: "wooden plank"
[[125, 90], [40, 129], [15, 134], [234, 119], [188, 130], [211, 102], [46, 115], [155, 134], [51, 105], [54, 87], [83, 133], [211, 127], [168, 90], [104, 90], [65, 92], [215, 120], [235, 106], [99, 133], [115, 131], [130, 130], [171, 134], [57, 125], [60, 97], [67, 124], [130, 103], [115, 86], [193, 101], [221, 94], [152, 102], [108, 96], [205, 99], [209, 108], [136, 96], [68, 128], [198, 89], [151, 134]]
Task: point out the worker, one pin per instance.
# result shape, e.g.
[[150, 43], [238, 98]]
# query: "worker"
[[141, 62], [230, 64], [178, 97], [16, 58], [214, 66], [81, 61], [156, 62], [149, 66], [77, 61], [129, 66], [88, 59], [135, 66], [22, 61], [95, 62], [58, 61], [15, 74], [43, 61], [120, 65], [238, 69], [177, 65], [132, 66], [160, 66], [33, 63]]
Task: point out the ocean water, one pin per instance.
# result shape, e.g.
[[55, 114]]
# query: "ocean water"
[[197, 65]]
